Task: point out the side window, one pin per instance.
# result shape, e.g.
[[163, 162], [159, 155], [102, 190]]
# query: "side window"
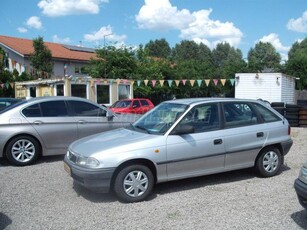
[[136, 104], [239, 114], [54, 109], [203, 117], [266, 114], [144, 103], [32, 111], [84, 109]]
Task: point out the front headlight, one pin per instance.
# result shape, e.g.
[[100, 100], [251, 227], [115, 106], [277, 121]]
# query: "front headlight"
[[89, 162], [303, 174]]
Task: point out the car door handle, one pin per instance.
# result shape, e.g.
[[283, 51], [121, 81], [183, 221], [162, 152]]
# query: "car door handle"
[[37, 122], [260, 134], [81, 122], [218, 141]]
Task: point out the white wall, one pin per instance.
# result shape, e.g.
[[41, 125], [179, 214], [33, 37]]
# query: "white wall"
[[272, 87]]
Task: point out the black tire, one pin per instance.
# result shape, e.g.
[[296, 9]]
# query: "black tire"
[[138, 191], [269, 162], [22, 150]]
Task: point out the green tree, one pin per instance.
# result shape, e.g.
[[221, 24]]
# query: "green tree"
[[41, 58], [158, 48], [297, 63], [263, 56], [112, 62]]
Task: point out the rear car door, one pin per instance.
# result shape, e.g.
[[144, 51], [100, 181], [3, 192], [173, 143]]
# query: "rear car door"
[[199, 152], [244, 134], [52, 123], [90, 118]]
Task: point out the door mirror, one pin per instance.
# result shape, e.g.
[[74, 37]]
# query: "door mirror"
[[182, 129]]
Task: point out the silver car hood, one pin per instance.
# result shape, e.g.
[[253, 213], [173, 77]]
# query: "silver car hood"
[[113, 141]]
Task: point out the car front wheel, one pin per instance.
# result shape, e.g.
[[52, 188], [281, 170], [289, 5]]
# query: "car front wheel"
[[269, 162], [22, 150], [134, 183]]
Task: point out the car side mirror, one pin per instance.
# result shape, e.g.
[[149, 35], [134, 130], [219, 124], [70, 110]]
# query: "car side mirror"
[[183, 129]]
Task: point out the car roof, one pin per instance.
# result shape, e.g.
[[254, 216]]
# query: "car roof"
[[48, 98], [191, 101]]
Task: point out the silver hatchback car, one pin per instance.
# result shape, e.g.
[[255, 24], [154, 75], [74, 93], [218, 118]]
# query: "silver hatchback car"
[[47, 125], [180, 139]]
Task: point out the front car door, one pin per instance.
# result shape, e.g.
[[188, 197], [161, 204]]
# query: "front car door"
[[200, 152], [90, 118]]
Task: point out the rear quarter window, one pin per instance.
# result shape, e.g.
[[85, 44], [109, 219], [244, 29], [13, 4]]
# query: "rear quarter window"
[[144, 103], [266, 114]]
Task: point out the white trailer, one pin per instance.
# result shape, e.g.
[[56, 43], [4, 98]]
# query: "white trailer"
[[272, 87]]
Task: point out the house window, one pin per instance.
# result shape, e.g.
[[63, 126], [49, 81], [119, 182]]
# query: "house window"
[[78, 90], [32, 91], [123, 91], [103, 94], [59, 90]]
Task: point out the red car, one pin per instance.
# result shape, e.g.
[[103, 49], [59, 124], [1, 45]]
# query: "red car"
[[136, 105]]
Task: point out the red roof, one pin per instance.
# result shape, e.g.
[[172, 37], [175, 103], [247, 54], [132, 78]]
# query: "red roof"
[[25, 47]]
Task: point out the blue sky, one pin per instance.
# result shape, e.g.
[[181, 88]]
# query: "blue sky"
[[93, 23]]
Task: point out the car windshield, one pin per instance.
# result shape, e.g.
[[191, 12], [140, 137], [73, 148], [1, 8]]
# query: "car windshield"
[[122, 104], [160, 119]]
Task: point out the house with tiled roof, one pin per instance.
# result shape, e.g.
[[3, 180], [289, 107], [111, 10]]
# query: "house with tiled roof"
[[68, 78], [67, 60]]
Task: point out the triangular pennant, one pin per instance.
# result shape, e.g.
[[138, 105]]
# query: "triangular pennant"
[[199, 82], [7, 85], [161, 82], [184, 81], [138, 82], [223, 81], [111, 81], [232, 81], [153, 82], [177, 82], [207, 81], [125, 81], [2, 85], [118, 81], [215, 81], [170, 83], [146, 82], [12, 85], [98, 81], [192, 82], [132, 82]]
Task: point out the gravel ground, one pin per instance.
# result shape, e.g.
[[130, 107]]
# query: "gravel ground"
[[42, 196]]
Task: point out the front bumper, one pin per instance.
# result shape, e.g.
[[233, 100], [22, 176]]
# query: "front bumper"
[[301, 191], [97, 180]]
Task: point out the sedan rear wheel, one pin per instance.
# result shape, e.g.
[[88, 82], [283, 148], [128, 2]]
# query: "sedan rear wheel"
[[134, 183], [22, 150], [269, 162]]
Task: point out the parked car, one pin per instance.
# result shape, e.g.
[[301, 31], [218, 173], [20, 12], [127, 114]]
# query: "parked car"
[[180, 139], [300, 186], [5, 102], [136, 105], [47, 125]]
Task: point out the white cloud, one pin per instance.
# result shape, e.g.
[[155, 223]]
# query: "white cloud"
[[275, 41], [34, 22], [205, 28], [299, 24], [22, 30], [105, 33], [197, 26], [57, 39], [55, 8], [161, 15]]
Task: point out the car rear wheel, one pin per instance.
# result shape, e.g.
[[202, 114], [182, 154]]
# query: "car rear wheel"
[[22, 150], [269, 162], [133, 183]]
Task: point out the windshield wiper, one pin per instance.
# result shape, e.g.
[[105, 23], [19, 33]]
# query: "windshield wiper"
[[141, 128]]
